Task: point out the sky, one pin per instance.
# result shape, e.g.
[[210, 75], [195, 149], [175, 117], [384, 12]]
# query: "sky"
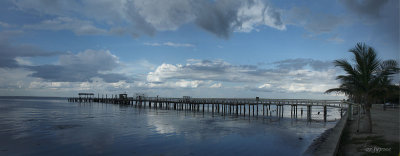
[[198, 48]]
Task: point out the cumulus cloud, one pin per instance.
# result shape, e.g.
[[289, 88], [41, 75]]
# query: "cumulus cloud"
[[177, 84], [196, 77], [220, 17], [265, 85], [199, 70], [14, 78], [287, 75], [253, 14], [216, 85], [80, 67], [224, 16]]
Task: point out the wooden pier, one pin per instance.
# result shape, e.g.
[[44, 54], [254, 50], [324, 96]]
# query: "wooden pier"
[[223, 106]]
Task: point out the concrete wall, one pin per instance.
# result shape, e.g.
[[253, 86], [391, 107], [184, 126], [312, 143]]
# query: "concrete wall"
[[328, 143]]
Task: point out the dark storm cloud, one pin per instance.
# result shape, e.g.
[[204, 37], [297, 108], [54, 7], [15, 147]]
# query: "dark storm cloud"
[[10, 52], [218, 18], [382, 14], [137, 17], [58, 73], [224, 16], [80, 68], [370, 8]]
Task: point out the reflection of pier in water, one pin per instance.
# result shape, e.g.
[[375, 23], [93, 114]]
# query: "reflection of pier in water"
[[224, 106]]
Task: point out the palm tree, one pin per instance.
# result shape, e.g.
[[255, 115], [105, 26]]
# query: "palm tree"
[[365, 80]]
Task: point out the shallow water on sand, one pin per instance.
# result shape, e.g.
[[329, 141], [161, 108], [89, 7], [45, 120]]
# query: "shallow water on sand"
[[52, 126]]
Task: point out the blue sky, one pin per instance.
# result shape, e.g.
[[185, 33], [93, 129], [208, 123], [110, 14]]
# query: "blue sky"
[[221, 48]]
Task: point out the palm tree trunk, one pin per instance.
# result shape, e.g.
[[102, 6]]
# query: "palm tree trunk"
[[368, 113], [367, 108]]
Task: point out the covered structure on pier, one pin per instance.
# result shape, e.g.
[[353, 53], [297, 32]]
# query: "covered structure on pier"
[[123, 96]]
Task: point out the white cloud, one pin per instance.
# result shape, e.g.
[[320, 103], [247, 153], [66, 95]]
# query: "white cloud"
[[169, 44], [175, 84], [285, 79], [14, 78], [265, 85], [178, 44], [216, 85], [258, 13], [196, 78], [23, 61]]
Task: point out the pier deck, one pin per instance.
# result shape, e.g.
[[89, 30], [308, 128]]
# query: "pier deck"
[[236, 106]]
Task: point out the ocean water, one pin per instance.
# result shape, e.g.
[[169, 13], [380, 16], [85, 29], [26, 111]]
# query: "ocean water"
[[53, 126]]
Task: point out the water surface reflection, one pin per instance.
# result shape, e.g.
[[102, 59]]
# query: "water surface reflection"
[[53, 127]]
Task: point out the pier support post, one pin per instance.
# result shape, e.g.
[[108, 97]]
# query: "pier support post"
[[291, 111], [341, 112], [237, 111], [253, 109], [325, 113], [263, 109], [244, 110], [301, 111], [249, 109], [257, 108], [309, 111]]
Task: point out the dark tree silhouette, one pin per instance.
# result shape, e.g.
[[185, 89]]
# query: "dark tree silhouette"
[[367, 80]]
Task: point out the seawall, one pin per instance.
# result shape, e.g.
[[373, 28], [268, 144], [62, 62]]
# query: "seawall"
[[328, 143]]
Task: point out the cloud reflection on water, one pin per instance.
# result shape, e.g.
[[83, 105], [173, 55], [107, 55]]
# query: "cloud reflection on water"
[[91, 128]]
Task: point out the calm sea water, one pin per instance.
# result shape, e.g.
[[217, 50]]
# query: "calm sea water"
[[53, 126]]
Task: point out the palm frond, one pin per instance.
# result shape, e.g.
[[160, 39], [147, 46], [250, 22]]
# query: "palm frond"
[[368, 77]]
